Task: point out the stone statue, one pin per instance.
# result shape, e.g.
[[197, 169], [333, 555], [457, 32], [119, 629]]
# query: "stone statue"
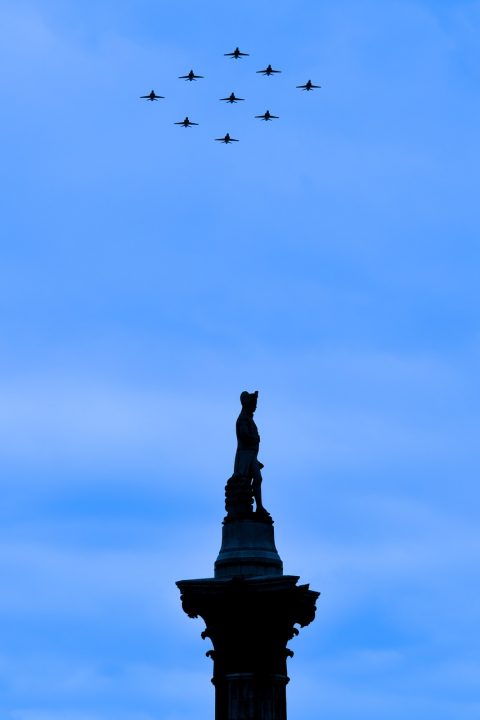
[[247, 464]]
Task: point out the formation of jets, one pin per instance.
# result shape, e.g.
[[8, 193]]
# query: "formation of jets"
[[232, 98]]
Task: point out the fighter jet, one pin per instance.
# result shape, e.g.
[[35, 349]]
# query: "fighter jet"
[[232, 98], [186, 122], [152, 96], [236, 54], [227, 139], [268, 71], [267, 116], [191, 76], [308, 86]]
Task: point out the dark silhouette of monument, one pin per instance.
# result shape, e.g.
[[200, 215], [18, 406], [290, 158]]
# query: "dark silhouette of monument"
[[250, 607]]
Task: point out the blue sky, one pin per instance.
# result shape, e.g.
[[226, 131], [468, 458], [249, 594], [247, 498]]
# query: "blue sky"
[[148, 275]]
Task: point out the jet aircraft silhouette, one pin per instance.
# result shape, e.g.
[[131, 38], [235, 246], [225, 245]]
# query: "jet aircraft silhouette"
[[191, 76], [232, 98], [227, 139], [267, 116], [151, 96], [236, 54], [268, 71], [186, 122], [308, 86]]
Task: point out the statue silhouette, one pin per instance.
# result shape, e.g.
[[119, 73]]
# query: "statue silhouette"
[[247, 464]]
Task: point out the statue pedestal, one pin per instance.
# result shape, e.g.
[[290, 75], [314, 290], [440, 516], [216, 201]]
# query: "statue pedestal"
[[248, 549]]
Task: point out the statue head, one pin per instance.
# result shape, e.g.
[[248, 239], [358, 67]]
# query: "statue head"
[[249, 401]]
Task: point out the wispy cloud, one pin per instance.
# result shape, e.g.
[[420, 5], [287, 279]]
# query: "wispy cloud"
[[360, 414], [69, 714], [58, 582]]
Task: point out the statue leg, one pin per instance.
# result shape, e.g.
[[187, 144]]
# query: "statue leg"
[[257, 485]]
